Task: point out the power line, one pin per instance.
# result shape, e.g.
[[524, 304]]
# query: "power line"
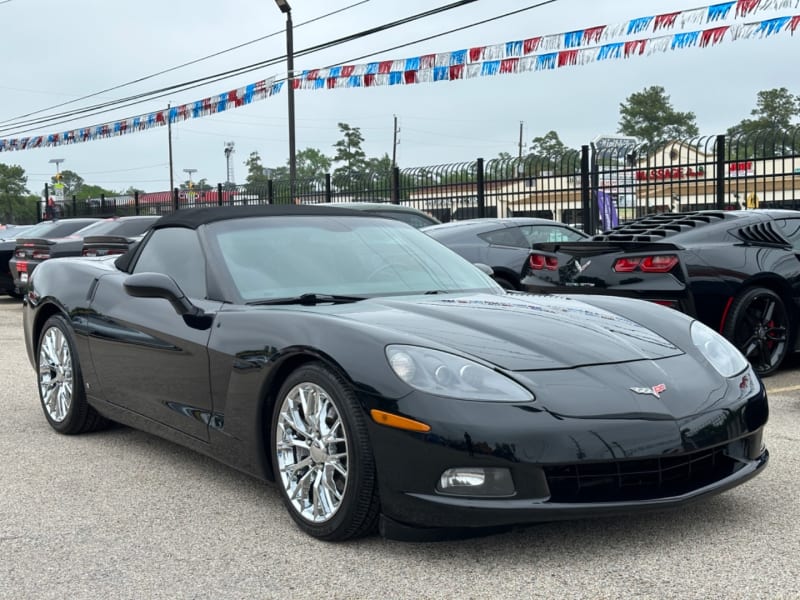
[[99, 108], [175, 68], [185, 86]]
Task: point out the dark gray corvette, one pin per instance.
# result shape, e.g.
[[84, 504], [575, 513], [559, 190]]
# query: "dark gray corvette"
[[502, 244], [381, 381]]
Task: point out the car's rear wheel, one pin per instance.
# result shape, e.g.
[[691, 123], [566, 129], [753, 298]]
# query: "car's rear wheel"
[[61, 388], [505, 283], [760, 327], [321, 454]]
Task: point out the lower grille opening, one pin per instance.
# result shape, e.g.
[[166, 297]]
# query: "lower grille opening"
[[647, 479]]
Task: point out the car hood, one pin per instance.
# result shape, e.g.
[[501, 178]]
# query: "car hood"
[[516, 332]]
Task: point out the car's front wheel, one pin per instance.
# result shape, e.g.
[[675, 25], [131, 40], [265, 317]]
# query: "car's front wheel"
[[61, 388], [321, 454], [760, 327]]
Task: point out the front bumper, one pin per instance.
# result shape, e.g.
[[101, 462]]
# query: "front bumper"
[[563, 467]]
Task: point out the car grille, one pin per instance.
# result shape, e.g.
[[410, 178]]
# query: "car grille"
[[628, 480]]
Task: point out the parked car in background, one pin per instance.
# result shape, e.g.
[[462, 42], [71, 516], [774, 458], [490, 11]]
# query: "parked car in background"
[[502, 244], [116, 236], [48, 239], [383, 382], [407, 214], [736, 271], [8, 236], [58, 237]]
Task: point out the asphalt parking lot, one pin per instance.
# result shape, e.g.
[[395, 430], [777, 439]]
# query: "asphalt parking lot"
[[123, 514]]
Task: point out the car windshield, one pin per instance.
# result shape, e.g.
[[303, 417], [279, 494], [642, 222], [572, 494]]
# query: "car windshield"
[[56, 229], [284, 257], [120, 227]]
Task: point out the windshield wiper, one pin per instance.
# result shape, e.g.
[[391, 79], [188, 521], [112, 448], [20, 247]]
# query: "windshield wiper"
[[310, 299]]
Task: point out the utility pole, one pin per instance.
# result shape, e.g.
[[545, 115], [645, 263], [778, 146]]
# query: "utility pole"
[[169, 135], [394, 143]]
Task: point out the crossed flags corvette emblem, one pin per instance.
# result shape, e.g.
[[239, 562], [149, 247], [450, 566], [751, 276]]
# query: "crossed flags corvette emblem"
[[656, 390]]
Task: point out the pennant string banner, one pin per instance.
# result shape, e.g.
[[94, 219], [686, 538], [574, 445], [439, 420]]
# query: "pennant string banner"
[[575, 48]]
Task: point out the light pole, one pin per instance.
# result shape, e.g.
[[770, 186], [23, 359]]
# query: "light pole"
[[190, 171], [287, 10]]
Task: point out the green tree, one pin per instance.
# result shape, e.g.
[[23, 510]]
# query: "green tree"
[[553, 155], [351, 155], [649, 116], [772, 131], [312, 165], [256, 174], [16, 203], [91, 191]]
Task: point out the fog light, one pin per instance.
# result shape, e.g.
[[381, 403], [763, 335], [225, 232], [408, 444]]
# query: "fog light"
[[477, 481]]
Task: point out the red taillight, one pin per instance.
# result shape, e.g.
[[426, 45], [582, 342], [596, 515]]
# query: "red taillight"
[[41, 255], [20, 254], [659, 263], [540, 262]]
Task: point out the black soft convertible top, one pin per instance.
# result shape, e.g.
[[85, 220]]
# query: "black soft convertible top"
[[192, 218]]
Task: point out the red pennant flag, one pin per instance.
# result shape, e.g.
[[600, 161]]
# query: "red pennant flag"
[[666, 21], [593, 34], [635, 47], [531, 45], [567, 58], [745, 7]]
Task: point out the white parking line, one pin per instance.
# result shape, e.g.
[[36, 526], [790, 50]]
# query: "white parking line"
[[793, 388]]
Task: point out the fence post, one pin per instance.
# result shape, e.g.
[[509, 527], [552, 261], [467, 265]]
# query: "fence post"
[[586, 193], [42, 206], [74, 205], [479, 181], [219, 194], [327, 187], [395, 182], [175, 204], [102, 204], [136, 202], [720, 175], [270, 192]]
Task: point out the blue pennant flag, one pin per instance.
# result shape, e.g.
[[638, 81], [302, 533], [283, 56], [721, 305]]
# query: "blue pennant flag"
[[441, 73], [372, 68], [573, 39], [490, 67], [546, 61], [335, 72], [718, 12], [249, 93], [412, 64], [459, 57], [513, 49], [354, 81], [197, 110], [173, 114], [639, 25], [770, 26], [319, 84], [610, 51], [685, 40], [395, 78]]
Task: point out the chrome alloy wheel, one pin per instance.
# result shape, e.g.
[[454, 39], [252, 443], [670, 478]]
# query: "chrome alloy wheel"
[[311, 451], [56, 380]]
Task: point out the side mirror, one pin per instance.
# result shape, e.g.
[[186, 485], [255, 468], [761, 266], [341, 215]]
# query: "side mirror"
[[485, 268], [158, 285]]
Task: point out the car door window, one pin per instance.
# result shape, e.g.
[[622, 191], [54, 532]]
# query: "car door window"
[[176, 252], [537, 234], [507, 236]]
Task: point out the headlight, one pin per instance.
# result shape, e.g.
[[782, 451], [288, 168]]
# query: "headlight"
[[448, 375], [723, 355]]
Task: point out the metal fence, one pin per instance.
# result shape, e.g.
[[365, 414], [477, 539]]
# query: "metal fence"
[[591, 188]]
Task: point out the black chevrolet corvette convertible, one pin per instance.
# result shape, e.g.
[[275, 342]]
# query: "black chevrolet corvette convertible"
[[736, 271], [383, 382]]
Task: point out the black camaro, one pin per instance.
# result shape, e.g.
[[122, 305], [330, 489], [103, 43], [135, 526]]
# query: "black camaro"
[[736, 271], [382, 381]]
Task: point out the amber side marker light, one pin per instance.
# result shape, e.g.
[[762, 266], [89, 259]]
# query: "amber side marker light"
[[390, 420]]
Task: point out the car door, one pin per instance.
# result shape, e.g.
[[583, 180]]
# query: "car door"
[[147, 357]]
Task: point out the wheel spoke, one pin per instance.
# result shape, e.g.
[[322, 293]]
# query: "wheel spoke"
[[311, 452], [56, 378]]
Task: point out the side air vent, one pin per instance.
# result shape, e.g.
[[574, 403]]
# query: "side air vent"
[[654, 228], [761, 233]]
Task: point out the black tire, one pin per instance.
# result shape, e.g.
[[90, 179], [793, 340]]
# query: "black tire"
[[60, 381], [760, 327], [330, 490], [505, 283]]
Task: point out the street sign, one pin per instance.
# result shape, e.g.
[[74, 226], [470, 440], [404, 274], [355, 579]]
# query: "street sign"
[[58, 192], [614, 142]]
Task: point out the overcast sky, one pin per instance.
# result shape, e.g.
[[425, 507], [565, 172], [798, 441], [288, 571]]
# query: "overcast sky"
[[55, 51]]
